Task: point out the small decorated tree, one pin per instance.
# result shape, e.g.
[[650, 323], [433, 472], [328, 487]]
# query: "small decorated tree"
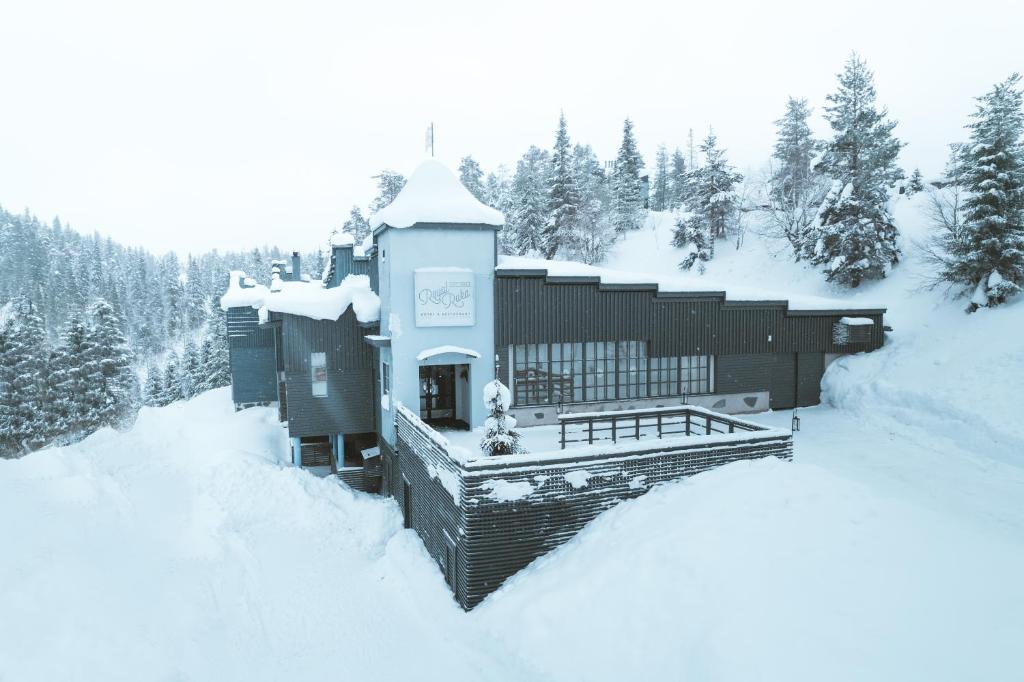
[[500, 436]]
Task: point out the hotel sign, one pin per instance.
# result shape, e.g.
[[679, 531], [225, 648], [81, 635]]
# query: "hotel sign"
[[444, 298]]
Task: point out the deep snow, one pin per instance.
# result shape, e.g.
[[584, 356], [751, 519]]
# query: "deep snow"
[[890, 548]]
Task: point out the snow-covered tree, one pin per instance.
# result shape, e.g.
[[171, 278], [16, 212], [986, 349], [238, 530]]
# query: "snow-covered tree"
[[152, 389], [661, 187], [23, 379], [111, 390], [987, 255], [915, 183], [500, 436], [713, 207], [67, 383], [594, 234], [626, 186], [529, 203], [855, 238], [563, 196], [214, 354], [172, 380], [191, 370], [472, 177], [389, 184], [356, 225], [795, 190], [678, 181]]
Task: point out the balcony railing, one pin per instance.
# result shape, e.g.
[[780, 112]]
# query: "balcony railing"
[[594, 427]]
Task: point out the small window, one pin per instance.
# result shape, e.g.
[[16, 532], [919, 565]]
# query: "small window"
[[385, 379], [318, 370]]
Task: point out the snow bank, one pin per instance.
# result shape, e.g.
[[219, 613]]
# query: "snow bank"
[[678, 283], [242, 292], [434, 195], [856, 321], [321, 303]]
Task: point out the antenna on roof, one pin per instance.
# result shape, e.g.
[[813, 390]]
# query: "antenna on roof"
[[430, 138]]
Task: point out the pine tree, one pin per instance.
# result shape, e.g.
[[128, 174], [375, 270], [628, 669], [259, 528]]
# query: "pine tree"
[[389, 184], [795, 189], [500, 436], [356, 225], [988, 259], [714, 208], [855, 235], [563, 197], [661, 189], [626, 183], [112, 392], [214, 353], [471, 176], [529, 203], [678, 182]]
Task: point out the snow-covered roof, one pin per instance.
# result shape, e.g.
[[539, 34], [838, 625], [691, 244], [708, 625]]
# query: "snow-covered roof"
[[677, 284], [312, 300], [342, 239], [434, 195], [856, 321], [441, 350], [243, 291], [305, 298]]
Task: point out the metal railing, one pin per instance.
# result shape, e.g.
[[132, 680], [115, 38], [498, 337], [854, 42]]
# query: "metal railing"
[[639, 424]]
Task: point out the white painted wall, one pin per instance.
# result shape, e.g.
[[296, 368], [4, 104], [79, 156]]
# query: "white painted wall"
[[400, 253]]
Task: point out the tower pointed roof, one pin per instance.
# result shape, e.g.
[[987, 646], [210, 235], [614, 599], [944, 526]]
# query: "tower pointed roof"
[[434, 195]]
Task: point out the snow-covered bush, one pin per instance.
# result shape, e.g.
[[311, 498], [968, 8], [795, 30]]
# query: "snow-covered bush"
[[500, 436]]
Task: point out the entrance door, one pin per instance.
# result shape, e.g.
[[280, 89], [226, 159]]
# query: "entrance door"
[[437, 392]]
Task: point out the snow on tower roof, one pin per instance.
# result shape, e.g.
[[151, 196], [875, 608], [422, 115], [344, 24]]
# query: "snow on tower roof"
[[678, 284], [434, 195], [242, 291]]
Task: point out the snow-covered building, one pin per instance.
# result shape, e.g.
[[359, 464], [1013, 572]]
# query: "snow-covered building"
[[399, 339]]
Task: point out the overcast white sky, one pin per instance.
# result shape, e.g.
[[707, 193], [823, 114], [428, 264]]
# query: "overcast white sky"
[[194, 125]]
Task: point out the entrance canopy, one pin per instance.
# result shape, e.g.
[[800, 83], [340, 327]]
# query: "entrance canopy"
[[442, 350]]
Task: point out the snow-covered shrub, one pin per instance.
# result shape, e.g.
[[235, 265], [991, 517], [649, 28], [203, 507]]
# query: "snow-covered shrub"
[[500, 436]]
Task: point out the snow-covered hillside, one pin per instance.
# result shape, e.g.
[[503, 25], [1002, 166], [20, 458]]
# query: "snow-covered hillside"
[[890, 548]]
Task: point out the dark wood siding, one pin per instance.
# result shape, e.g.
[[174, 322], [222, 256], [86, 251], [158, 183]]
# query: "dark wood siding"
[[348, 405], [809, 369], [251, 358], [538, 309]]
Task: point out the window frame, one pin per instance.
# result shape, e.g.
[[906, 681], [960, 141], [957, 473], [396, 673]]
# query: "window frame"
[[315, 383]]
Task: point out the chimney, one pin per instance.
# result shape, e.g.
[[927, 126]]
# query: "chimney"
[[296, 266]]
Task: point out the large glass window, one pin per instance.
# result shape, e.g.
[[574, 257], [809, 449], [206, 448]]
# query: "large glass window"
[[602, 370], [318, 371]]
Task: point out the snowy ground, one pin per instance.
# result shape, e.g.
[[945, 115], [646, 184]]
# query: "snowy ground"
[[890, 548]]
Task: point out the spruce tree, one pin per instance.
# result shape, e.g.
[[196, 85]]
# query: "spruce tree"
[[529, 203], [172, 381], [356, 225], [795, 189], [67, 384], [988, 259], [714, 206], [661, 189], [153, 388], [626, 185], [191, 370], [214, 354], [679, 179], [916, 183], [112, 392], [855, 238], [23, 403], [389, 184], [472, 177], [563, 196], [500, 436], [593, 235]]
